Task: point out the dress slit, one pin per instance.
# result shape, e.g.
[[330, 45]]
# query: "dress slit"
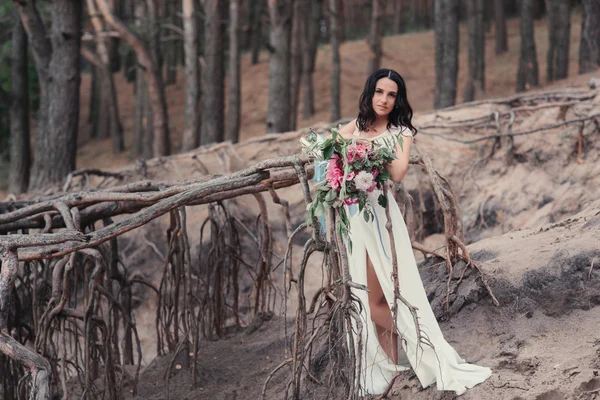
[[440, 364], [381, 332]]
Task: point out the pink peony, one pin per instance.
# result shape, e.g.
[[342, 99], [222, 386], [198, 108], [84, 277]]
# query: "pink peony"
[[334, 177], [349, 201], [357, 152], [334, 174]]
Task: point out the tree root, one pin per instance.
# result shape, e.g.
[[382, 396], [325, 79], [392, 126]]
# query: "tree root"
[[84, 323]]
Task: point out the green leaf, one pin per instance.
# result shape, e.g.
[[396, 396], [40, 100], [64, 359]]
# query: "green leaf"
[[366, 215], [384, 176], [319, 209], [310, 215], [331, 196], [344, 217], [382, 200], [334, 135], [328, 151]]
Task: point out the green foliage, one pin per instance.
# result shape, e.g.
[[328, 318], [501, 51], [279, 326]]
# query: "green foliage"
[[355, 169]]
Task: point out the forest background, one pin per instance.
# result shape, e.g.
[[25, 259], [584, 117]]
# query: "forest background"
[[105, 82]]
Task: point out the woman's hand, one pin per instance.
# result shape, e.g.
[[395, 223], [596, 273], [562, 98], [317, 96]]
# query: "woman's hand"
[[399, 166]]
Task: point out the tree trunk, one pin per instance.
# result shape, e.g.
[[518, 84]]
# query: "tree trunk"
[[156, 90], [341, 22], [414, 12], [109, 121], [487, 16], [298, 26], [397, 24], [256, 27], [191, 131], [249, 26], [56, 148], [589, 46], [20, 154], [539, 9], [213, 74], [552, 39], [110, 101], [476, 82], [138, 118], [310, 41], [42, 52], [170, 11], [93, 102], [501, 35], [564, 40], [559, 37], [528, 65], [375, 31], [154, 31], [350, 18], [142, 134], [147, 122], [278, 115], [426, 14], [446, 52], [234, 82], [113, 43], [335, 53], [102, 128]]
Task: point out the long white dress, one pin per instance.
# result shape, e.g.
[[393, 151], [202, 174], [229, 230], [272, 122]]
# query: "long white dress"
[[440, 364]]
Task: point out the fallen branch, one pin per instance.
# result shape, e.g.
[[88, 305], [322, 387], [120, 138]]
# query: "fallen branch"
[[513, 134]]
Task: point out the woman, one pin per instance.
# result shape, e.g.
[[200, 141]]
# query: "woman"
[[384, 111]]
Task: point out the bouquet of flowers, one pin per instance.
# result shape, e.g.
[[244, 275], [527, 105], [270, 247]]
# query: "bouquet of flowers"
[[354, 175]]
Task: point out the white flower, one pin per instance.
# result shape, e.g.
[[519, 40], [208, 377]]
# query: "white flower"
[[363, 181], [373, 196]]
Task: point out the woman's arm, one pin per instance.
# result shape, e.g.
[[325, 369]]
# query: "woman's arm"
[[399, 166]]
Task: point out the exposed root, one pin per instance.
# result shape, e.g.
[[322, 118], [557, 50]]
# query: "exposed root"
[[74, 303]]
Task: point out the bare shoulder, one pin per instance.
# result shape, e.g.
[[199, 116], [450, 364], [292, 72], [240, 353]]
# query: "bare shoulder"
[[348, 130]]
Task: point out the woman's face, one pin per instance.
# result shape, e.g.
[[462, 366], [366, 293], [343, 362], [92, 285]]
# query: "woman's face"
[[384, 98]]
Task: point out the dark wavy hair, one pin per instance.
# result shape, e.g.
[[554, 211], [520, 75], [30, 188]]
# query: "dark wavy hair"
[[401, 114]]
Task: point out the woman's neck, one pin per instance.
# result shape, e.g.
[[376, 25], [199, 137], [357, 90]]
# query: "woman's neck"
[[380, 123]]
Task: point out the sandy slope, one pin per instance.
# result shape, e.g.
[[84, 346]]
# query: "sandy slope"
[[542, 342]]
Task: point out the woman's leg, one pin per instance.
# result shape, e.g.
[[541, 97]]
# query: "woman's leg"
[[381, 315]]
